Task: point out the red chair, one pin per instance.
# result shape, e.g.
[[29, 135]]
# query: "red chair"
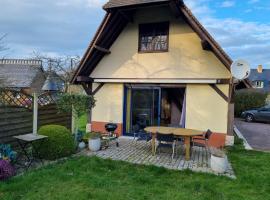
[[202, 141]]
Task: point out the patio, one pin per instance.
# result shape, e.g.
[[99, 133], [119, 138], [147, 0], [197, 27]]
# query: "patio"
[[140, 153]]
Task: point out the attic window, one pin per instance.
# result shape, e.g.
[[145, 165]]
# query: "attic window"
[[153, 37], [258, 84]]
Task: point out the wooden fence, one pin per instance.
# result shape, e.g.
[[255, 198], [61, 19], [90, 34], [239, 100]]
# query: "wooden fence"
[[14, 121], [49, 114], [18, 119]]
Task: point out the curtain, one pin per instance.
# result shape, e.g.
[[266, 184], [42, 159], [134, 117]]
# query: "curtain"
[[183, 114], [128, 110]]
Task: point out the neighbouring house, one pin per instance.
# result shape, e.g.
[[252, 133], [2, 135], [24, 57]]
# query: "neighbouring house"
[[27, 76], [260, 78], [23, 75], [152, 63]]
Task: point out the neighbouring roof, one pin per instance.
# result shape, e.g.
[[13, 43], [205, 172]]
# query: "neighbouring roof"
[[114, 22], [19, 73], [256, 76]]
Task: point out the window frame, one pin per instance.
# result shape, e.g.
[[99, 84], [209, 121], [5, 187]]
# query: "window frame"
[[165, 23], [260, 85]]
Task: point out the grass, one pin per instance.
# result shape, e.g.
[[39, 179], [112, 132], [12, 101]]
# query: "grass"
[[82, 178]]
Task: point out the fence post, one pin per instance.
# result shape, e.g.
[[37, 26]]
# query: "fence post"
[[74, 119], [35, 113]]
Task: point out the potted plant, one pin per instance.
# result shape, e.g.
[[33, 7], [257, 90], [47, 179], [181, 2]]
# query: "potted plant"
[[218, 160], [94, 141]]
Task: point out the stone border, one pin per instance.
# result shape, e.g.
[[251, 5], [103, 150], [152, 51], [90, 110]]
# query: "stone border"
[[240, 135]]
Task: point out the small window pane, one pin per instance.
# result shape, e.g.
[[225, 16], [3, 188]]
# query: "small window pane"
[[153, 37]]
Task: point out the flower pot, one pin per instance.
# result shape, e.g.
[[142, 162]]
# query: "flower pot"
[[81, 145], [219, 163], [94, 144]]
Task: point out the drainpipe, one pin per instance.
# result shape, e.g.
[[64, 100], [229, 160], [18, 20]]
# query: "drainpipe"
[[89, 117]]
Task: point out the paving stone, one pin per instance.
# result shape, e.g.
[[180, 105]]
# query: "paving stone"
[[140, 153]]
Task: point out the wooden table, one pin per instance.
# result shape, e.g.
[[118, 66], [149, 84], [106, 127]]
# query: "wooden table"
[[186, 133]]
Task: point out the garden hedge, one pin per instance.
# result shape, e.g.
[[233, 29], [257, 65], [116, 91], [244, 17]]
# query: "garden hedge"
[[59, 143], [246, 100]]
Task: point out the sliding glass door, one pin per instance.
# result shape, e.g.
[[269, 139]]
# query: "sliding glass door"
[[142, 108]]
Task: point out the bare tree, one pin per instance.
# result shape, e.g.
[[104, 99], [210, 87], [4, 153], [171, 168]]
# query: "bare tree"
[[64, 66]]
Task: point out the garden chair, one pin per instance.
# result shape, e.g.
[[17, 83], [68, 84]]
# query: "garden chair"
[[140, 134], [202, 141], [166, 141]]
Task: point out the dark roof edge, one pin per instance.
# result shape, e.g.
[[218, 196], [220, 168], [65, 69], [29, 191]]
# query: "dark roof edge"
[[90, 46], [108, 7]]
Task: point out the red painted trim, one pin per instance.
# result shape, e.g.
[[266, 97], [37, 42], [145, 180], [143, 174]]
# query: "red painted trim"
[[100, 127], [216, 140]]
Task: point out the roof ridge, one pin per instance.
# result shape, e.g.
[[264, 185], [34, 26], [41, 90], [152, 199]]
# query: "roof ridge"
[[21, 61]]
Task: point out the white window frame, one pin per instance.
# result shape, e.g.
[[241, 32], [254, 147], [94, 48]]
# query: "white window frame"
[[258, 84]]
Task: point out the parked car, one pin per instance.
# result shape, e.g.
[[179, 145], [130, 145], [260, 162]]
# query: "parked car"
[[259, 114]]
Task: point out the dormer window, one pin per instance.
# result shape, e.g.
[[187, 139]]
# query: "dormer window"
[[154, 37], [258, 84]]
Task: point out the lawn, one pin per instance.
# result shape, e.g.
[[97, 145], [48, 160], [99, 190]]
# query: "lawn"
[[93, 178]]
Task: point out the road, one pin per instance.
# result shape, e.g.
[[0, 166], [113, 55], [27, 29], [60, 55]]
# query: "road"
[[256, 134]]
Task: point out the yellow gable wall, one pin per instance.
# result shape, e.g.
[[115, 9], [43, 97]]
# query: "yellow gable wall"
[[206, 109], [185, 58], [109, 103]]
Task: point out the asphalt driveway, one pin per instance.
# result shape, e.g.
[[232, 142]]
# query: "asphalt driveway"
[[256, 134]]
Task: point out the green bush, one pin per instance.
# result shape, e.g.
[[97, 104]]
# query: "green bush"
[[59, 143], [246, 100]]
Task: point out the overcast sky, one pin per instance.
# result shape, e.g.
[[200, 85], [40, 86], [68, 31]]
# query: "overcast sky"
[[65, 27]]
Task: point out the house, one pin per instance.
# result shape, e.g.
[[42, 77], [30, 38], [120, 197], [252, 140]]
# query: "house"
[[26, 76], [152, 63], [260, 78]]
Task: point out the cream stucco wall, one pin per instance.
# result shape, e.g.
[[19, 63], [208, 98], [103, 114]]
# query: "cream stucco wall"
[[185, 58], [109, 104], [205, 109]]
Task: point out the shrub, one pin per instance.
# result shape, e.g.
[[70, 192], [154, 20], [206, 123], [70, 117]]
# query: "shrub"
[[245, 100], [6, 170], [59, 143]]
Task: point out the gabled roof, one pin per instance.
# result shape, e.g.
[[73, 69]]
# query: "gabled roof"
[[119, 14], [256, 76], [18, 73]]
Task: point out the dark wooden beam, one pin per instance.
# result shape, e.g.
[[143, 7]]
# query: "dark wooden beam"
[[98, 88], [84, 79], [214, 86], [126, 16], [87, 88], [223, 81], [199, 30], [206, 45], [104, 50], [174, 9]]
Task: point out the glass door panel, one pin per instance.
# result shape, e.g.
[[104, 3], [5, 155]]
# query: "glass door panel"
[[143, 108]]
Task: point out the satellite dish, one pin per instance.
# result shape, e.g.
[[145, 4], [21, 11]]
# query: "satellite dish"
[[240, 69]]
